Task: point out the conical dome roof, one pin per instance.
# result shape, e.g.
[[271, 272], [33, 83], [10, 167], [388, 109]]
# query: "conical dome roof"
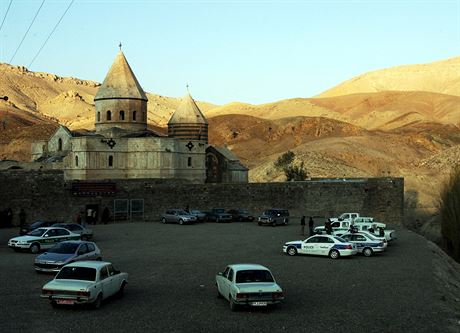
[[187, 113], [120, 82]]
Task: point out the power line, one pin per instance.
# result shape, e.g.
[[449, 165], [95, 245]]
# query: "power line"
[[4, 18], [52, 31], [25, 35]]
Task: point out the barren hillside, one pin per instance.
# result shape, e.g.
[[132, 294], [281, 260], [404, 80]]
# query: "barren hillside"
[[437, 77]]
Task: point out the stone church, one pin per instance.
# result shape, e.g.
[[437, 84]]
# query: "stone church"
[[122, 146]]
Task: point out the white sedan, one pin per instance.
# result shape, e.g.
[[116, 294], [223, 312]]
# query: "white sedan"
[[85, 282], [365, 243], [248, 284], [323, 245], [41, 238]]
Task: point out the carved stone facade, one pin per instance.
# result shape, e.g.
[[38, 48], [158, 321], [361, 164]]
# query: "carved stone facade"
[[121, 147]]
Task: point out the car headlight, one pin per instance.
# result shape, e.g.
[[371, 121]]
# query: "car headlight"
[[22, 242], [59, 262]]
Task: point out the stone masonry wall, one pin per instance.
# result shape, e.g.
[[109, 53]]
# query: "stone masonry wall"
[[45, 195]]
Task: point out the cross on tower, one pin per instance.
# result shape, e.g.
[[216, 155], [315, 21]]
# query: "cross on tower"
[[119, 45]]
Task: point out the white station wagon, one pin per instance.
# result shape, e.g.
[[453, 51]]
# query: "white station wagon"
[[322, 245], [85, 282], [248, 284]]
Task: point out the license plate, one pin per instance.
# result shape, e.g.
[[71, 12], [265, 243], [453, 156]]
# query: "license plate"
[[259, 303], [65, 301]]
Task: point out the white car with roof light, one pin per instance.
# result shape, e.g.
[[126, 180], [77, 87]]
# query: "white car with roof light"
[[41, 238], [85, 282], [322, 245], [249, 285], [365, 243]]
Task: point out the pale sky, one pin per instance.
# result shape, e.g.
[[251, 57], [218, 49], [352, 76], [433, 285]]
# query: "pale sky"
[[249, 51]]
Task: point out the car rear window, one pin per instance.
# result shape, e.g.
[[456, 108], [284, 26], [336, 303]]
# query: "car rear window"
[[250, 276], [77, 273]]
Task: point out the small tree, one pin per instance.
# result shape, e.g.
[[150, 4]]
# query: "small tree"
[[450, 214], [284, 160], [295, 172]]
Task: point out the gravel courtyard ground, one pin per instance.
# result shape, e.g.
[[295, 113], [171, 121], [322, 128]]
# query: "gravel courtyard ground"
[[171, 287]]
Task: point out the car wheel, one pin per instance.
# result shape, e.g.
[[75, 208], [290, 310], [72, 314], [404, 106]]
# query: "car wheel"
[[233, 305], [97, 303], [181, 221], [292, 251], [35, 248], [334, 254], [121, 291], [219, 295], [54, 305], [368, 252], [163, 220], [273, 224], [217, 220], [259, 223]]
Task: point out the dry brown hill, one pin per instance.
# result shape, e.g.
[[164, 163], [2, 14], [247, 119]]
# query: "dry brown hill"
[[438, 77], [383, 110]]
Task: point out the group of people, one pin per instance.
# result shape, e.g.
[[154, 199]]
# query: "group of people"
[[311, 224]]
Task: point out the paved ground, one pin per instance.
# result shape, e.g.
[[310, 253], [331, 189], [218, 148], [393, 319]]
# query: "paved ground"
[[172, 288]]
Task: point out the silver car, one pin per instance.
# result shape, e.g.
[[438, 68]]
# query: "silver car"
[[64, 253], [85, 233], [177, 216]]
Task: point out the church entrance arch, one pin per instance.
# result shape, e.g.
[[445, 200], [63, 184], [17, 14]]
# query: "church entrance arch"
[[212, 168]]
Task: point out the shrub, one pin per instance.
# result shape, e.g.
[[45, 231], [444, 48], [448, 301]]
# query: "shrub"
[[295, 172], [450, 214], [284, 160]]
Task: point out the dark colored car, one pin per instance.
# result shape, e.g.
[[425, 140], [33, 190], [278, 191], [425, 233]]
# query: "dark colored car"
[[273, 217], [64, 253], [240, 215], [37, 224], [200, 216], [218, 215]]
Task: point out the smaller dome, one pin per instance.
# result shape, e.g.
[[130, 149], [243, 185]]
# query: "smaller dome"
[[187, 113]]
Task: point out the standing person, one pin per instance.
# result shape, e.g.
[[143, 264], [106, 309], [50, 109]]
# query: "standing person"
[[22, 219], [105, 216], [78, 218], [9, 217], [302, 225], [89, 216], [328, 227], [311, 225]]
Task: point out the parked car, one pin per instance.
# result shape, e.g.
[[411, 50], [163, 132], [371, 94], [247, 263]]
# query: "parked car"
[[273, 217], [200, 216], [37, 224], [218, 215], [41, 238], [177, 216], [240, 215], [85, 282], [84, 232], [365, 243], [249, 285], [322, 245], [64, 253]]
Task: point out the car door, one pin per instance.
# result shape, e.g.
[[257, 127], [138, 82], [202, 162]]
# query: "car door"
[[49, 239], [223, 284], [114, 280], [359, 241], [91, 255], [105, 282], [82, 252], [324, 245], [309, 246]]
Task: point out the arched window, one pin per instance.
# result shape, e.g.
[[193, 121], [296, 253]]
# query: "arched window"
[[189, 162], [60, 144], [110, 161], [122, 115], [76, 160], [109, 115], [134, 115], [98, 117]]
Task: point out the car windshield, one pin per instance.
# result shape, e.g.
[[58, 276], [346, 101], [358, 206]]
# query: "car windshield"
[[254, 275], [66, 248], [77, 273], [36, 224], [195, 212], [340, 239], [37, 232]]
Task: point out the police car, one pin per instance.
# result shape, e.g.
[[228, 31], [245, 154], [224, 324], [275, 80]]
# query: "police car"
[[323, 245], [41, 238], [365, 243]]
